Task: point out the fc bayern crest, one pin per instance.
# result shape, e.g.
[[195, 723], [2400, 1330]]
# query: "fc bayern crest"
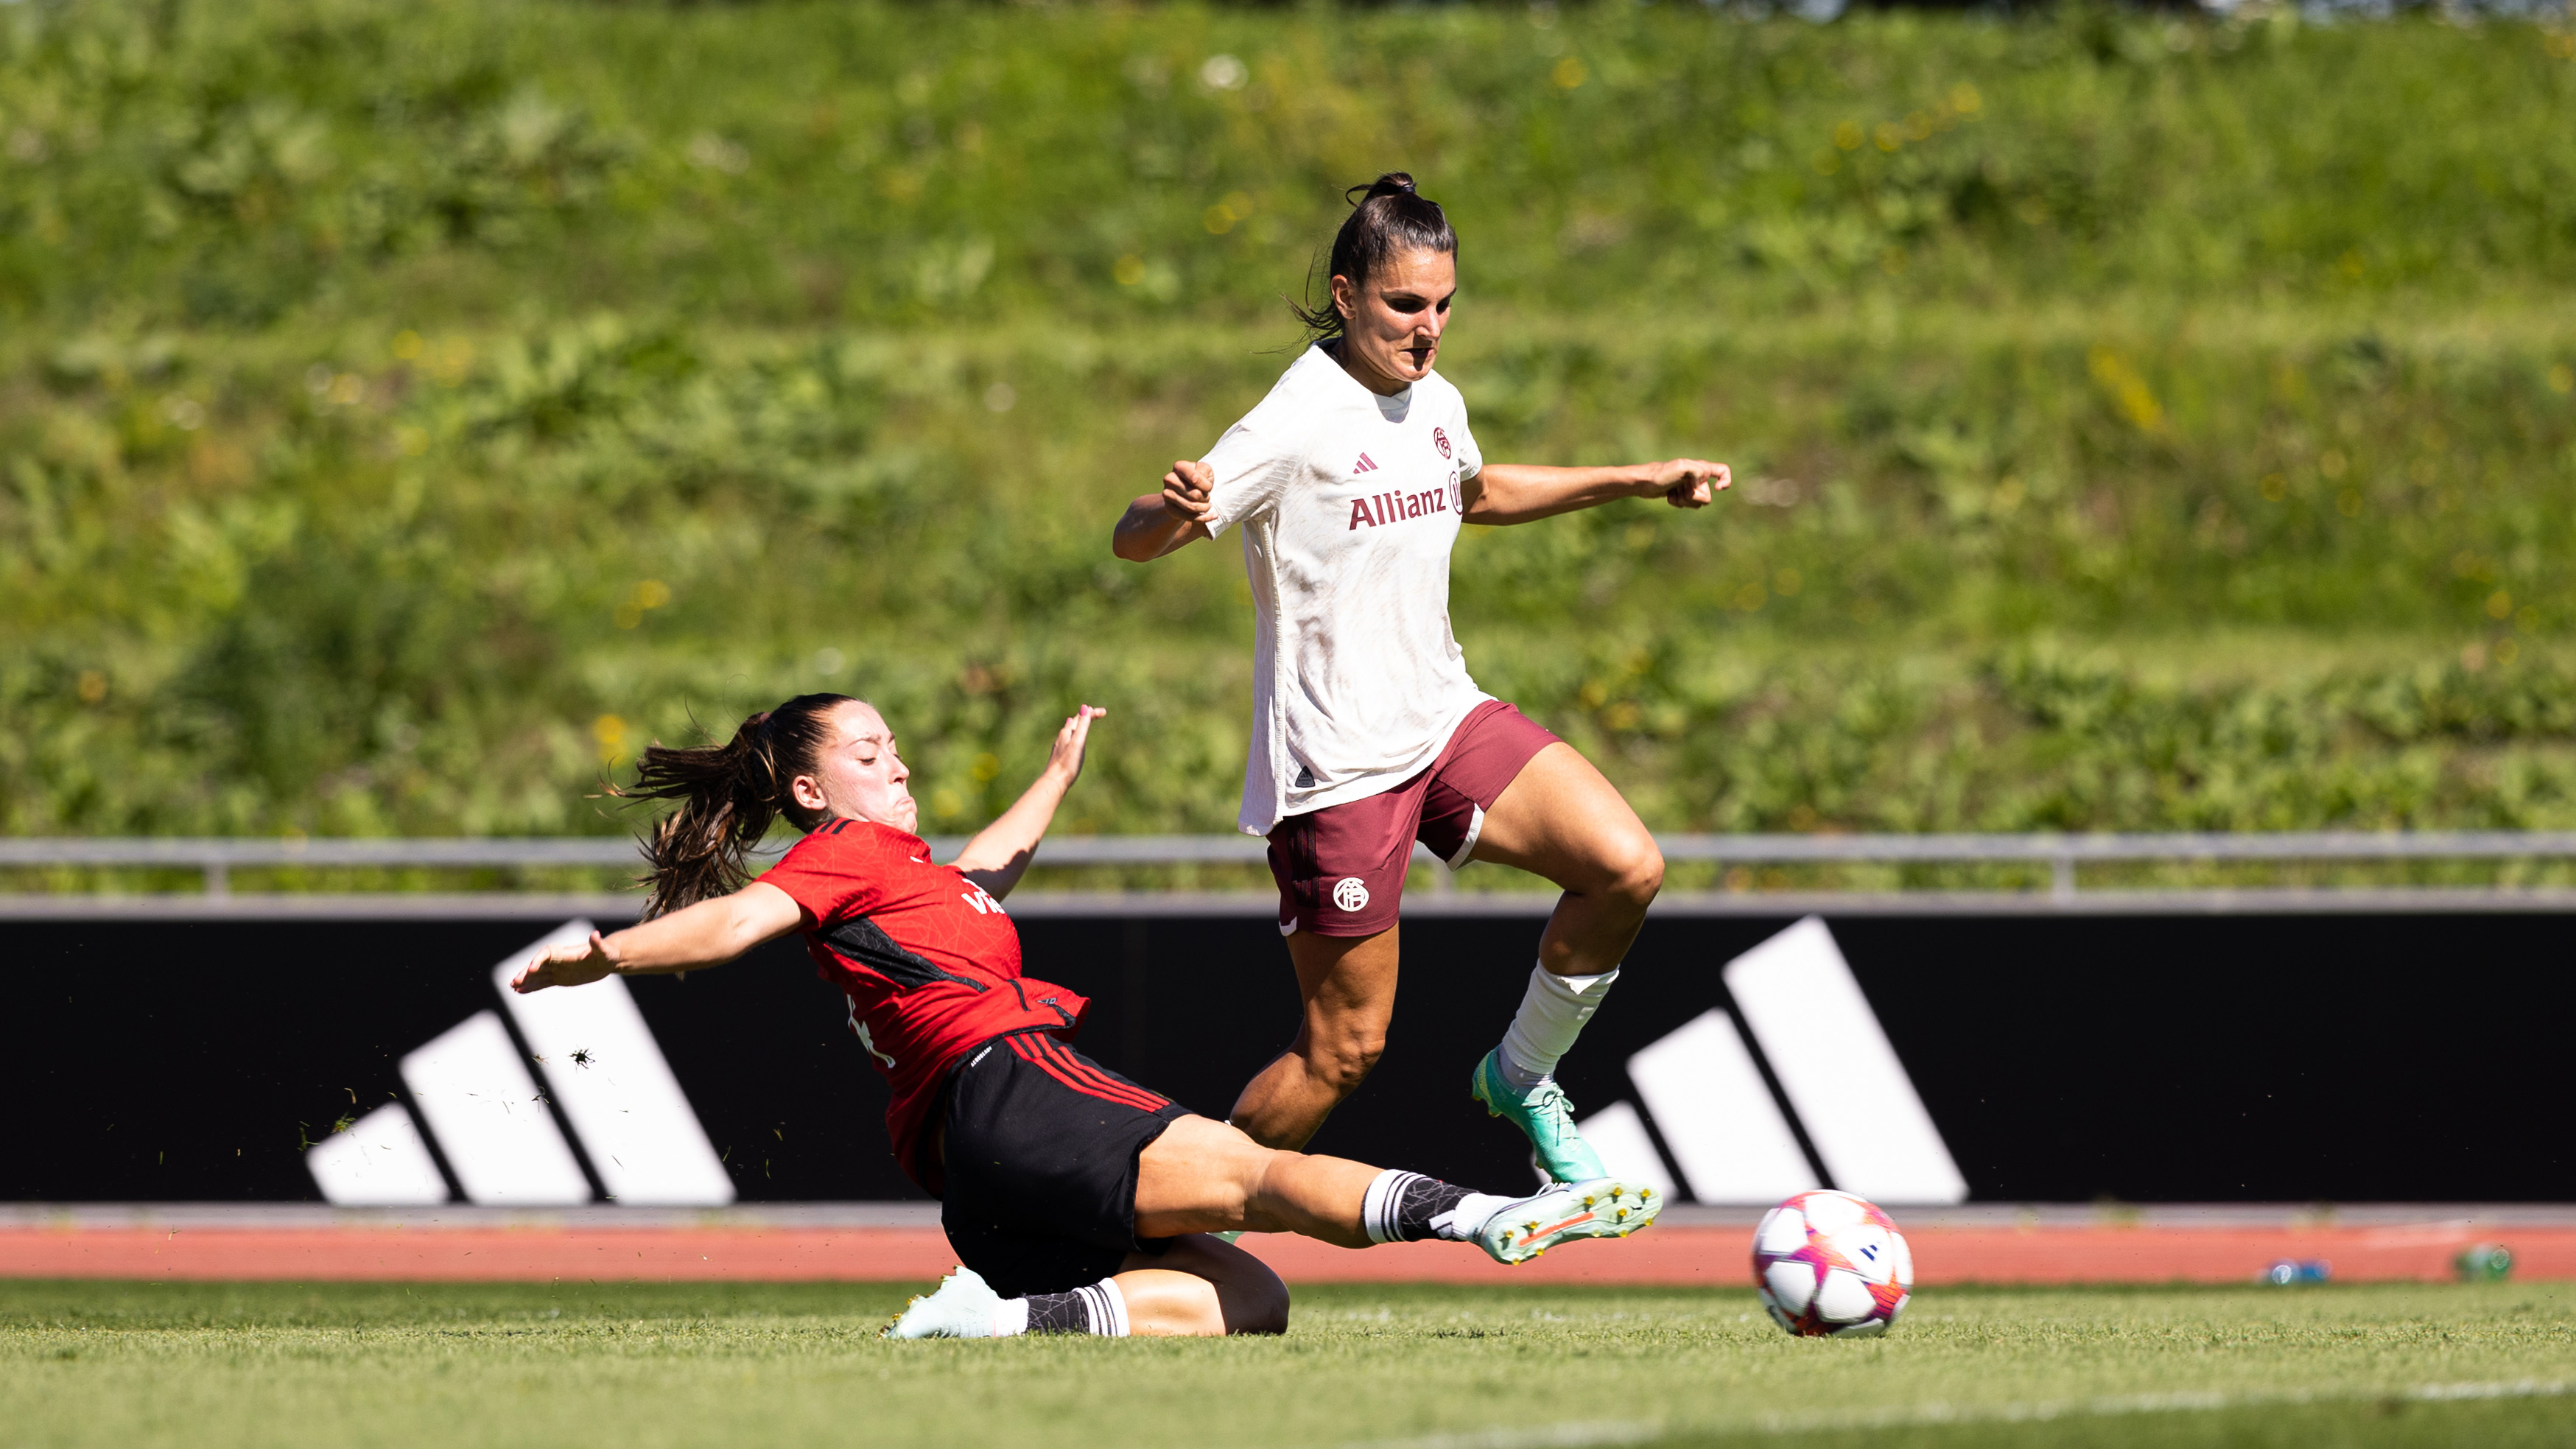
[[1442, 439], [1351, 893]]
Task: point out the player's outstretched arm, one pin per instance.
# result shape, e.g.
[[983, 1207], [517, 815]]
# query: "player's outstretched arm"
[[1000, 853], [709, 933], [1158, 523], [1521, 492]]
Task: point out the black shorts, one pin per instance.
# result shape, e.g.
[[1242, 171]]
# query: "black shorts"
[[1040, 1174]]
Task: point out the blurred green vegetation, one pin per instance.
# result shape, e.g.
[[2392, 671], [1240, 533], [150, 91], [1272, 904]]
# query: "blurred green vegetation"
[[408, 411]]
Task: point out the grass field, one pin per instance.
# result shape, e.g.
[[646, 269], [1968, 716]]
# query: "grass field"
[[1439, 1368]]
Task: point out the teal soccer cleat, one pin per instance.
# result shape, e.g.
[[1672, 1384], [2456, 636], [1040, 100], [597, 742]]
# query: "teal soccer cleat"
[[1607, 1208], [961, 1307], [1543, 1115]]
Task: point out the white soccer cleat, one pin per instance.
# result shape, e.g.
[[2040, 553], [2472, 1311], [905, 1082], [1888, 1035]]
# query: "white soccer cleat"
[[1602, 1208], [962, 1306]]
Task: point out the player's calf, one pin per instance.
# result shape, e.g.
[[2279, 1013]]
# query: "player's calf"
[[1197, 1287], [1203, 1286]]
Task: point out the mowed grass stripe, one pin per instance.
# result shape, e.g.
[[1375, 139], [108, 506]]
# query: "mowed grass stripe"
[[90, 1363], [1584, 1434]]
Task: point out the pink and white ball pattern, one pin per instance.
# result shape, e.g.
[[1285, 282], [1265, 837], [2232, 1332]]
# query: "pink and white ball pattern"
[[1830, 1263]]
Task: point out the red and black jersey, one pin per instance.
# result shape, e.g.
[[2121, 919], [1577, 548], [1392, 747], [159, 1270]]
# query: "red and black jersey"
[[928, 960]]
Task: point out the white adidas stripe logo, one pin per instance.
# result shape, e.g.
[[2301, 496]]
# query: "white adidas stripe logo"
[[471, 1083], [1728, 1135]]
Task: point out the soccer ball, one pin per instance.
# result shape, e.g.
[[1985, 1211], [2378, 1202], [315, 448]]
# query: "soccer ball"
[[1829, 1263]]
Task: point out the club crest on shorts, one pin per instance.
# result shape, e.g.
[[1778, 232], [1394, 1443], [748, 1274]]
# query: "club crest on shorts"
[[1351, 893], [1442, 439]]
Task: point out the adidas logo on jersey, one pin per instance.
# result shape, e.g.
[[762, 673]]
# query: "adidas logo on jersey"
[[1366, 464]]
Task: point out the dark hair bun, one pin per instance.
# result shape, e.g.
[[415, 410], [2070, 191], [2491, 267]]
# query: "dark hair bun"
[[1393, 183]]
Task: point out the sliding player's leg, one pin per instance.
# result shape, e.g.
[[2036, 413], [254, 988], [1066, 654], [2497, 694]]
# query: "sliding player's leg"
[[1199, 1176], [1205, 1176], [1560, 819], [1193, 1286], [1202, 1287]]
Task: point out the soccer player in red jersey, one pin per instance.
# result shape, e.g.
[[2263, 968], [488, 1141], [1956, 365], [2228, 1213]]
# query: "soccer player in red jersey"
[[1349, 483], [1077, 1200]]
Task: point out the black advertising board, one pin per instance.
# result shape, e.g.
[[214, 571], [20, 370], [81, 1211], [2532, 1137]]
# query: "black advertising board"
[[2059, 1057]]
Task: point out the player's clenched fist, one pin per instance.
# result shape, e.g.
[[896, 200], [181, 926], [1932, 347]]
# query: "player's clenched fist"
[[1185, 490], [1690, 482]]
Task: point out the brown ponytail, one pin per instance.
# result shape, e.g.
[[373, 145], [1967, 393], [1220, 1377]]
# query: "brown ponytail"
[[728, 795], [1391, 217]]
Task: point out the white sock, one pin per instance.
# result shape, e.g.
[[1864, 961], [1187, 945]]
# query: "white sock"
[[1378, 1204], [1011, 1319], [1108, 1308], [1473, 1211], [1552, 1014]]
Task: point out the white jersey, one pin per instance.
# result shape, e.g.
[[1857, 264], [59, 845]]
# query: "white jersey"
[[1349, 505]]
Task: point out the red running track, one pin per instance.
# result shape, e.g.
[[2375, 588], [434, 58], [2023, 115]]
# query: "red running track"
[[1668, 1255]]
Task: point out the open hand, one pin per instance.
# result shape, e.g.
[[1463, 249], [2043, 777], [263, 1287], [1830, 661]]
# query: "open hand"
[[1066, 758], [1688, 482], [1185, 491], [566, 965]]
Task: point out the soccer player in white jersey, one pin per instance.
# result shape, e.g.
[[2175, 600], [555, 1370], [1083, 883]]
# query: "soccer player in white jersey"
[[1348, 484]]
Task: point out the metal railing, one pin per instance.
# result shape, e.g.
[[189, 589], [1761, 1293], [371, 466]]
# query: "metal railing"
[[216, 858]]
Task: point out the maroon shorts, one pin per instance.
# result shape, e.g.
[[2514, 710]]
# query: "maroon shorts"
[[1341, 869]]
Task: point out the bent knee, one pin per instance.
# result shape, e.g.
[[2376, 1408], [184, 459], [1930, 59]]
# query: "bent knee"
[[1341, 1048], [1628, 868], [1645, 873], [1345, 1062], [1250, 1297], [1254, 1302]]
